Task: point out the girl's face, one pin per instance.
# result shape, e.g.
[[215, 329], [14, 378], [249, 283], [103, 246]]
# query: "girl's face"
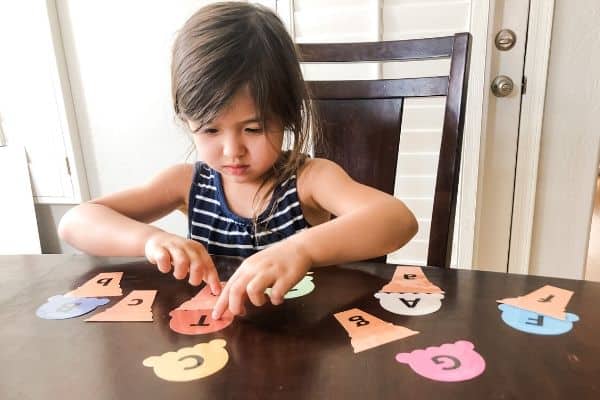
[[236, 144]]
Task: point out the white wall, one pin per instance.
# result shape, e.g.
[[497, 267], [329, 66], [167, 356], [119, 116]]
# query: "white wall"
[[570, 142], [118, 60]]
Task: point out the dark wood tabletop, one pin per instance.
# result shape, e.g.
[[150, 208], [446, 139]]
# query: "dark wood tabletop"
[[297, 350]]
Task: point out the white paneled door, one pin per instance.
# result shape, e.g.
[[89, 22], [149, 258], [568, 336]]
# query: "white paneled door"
[[492, 125]]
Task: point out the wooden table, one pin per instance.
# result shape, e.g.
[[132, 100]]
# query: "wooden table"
[[297, 350]]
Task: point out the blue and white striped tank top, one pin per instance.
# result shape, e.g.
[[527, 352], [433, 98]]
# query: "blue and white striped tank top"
[[222, 232]]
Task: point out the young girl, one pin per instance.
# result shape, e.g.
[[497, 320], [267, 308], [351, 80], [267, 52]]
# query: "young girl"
[[237, 85]]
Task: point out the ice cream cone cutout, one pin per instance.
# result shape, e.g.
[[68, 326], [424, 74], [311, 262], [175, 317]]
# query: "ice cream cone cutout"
[[203, 300], [410, 280], [548, 300], [367, 331], [136, 306], [105, 284]]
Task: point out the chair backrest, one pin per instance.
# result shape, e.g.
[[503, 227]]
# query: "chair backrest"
[[361, 119]]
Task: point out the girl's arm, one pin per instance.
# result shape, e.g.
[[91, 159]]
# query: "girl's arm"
[[369, 223], [118, 225]]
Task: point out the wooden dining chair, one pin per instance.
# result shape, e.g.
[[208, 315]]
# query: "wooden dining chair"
[[361, 119]]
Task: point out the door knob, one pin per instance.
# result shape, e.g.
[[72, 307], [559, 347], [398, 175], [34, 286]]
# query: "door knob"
[[502, 86], [505, 39]]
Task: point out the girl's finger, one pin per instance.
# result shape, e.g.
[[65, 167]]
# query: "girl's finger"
[[162, 259], [281, 286], [180, 261], [256, 289], [222, 302], [211, 277], [238, 295]]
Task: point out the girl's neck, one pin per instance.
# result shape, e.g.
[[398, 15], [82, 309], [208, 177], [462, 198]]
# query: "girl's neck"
[[248, 200]]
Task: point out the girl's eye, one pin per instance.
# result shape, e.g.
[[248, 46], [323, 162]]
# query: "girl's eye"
[[254, 130], [209, 131]]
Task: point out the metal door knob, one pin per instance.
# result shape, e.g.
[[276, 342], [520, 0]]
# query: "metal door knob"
[[502, 86], [505, 39]]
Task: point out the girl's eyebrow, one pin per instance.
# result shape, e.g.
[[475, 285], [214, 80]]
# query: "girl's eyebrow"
[[251, 119]]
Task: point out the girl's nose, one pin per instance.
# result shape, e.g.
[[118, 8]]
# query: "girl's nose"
[[233, 146]]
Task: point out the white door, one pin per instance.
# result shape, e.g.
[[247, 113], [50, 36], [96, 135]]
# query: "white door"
[[481, 239], [508, 19]]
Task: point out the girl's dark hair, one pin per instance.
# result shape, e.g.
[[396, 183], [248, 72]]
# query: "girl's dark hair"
[[225, 46]]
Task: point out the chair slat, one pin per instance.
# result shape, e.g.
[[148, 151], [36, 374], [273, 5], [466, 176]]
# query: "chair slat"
[[398, 50], [379, 89]]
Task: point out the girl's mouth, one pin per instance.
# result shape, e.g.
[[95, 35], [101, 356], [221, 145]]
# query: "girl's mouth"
[[237, 169]]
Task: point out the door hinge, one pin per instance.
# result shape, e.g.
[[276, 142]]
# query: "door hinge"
[[524, 85], [68, 165]]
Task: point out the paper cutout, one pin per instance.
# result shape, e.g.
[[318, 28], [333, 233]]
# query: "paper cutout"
[[367, 331], [136, 306], [450, 362], [190, 363], [531, 322], [197, 322], [548, 300], [410, 280], [302, 288], [105, 284], [62, 307], [410, 303], [203, 300]]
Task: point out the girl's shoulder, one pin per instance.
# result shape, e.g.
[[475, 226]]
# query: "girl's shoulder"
[[317, 174], [316, 169]]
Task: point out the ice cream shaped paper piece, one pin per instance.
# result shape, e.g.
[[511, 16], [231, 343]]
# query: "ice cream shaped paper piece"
[[367, 331], [537, 324], [197, 322], [194, 317], [105, 284], [302, 288], [190, 363], [203, 300], [410, 280], [63, 307], [136, 306], [410, 303], [547, 300], [450, 362]]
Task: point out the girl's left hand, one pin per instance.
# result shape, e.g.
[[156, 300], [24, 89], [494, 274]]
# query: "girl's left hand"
[[279, 267]]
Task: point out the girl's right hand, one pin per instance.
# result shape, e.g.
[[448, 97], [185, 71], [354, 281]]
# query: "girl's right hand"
[[167, 251]]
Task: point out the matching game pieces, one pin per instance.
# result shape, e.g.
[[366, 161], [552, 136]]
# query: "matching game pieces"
[[190, 363], [410, 303], [105, 284], [194, 317], [63, 307], [136, 306], [410, 280], [409, 293], [541, 312], [367, 331], [84, 299], [450, 362]]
